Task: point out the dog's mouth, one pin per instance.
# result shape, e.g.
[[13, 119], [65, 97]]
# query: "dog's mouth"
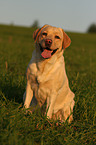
[[47, 52]]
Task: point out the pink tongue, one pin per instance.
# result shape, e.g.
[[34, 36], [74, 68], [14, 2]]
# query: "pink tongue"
[[46, 53]]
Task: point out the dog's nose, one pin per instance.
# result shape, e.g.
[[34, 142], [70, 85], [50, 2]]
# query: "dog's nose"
[[48, 42]]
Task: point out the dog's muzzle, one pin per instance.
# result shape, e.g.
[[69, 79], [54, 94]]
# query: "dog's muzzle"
[[47, 52]]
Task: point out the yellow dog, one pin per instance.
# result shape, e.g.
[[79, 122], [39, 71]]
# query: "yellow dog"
[[46, 76]]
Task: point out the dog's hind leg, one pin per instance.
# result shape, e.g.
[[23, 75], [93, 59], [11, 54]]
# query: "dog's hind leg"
[[68, 112]]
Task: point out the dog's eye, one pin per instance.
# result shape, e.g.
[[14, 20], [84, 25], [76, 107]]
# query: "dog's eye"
[[44, 33], [57, 37]]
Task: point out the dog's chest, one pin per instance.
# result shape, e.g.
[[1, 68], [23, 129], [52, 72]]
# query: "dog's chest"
[[45, 78], [40, 81], [40, 73]]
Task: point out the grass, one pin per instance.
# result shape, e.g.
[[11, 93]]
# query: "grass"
[[17, 127]]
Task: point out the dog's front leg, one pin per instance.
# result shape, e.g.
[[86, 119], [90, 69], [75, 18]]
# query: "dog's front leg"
[[29, 95], [50, 104]]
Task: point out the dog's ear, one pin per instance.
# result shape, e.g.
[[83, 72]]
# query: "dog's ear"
[[66, 40], [37, 32]]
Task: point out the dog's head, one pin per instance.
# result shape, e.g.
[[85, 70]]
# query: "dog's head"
[[51, 40]]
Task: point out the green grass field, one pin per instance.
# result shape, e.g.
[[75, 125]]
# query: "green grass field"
[[17, 127]]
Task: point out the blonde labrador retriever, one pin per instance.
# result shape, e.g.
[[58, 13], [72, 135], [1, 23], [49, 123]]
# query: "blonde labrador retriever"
[[46, 76]]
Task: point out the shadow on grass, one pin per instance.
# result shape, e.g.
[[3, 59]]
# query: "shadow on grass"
[[13, 87]]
